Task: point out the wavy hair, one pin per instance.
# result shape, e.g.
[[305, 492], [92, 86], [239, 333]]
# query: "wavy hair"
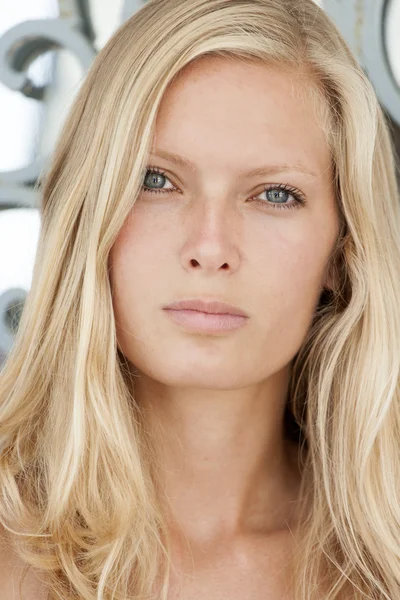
[[79, 496]]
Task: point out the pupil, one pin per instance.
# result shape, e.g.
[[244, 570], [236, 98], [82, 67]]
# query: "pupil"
[[278, 195]]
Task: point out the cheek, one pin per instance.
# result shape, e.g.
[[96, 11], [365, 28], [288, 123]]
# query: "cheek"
[[139, 246], [289, 267], [285, 289], [139, 270]]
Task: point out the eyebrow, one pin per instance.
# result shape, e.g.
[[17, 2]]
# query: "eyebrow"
[[266, 170]]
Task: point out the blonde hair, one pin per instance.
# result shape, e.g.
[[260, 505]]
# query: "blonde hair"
[[78, 482]]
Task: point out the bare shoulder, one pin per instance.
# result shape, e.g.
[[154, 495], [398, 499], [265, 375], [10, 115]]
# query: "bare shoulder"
[[13, 584]]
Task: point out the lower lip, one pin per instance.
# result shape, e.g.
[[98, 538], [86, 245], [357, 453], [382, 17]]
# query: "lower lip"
[[207, 322]]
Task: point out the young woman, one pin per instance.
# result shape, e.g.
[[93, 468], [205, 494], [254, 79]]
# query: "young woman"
[[202, 400]]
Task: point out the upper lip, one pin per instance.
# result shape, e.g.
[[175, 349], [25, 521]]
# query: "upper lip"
[[215, 307]]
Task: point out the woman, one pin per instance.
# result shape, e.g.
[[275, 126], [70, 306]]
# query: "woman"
[[218, 152]]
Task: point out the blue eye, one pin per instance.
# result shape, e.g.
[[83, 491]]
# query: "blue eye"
[[277, 194], [153, 177], [280, 194]]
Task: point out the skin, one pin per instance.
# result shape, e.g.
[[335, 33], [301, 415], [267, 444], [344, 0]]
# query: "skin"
[[214, 403]]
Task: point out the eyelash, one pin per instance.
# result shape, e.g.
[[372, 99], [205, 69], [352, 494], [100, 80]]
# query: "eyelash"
[[299, 199]]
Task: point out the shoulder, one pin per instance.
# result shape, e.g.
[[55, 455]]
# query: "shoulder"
[[12, 584]]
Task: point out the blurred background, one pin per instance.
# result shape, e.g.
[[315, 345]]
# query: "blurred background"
[[46, 48]]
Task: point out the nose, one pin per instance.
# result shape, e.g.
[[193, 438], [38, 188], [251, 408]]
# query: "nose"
[[211, 243]]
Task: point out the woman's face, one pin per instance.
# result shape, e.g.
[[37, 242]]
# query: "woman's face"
[[212, 231]]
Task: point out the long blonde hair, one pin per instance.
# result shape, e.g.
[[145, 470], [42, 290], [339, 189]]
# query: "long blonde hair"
[[78, 484]]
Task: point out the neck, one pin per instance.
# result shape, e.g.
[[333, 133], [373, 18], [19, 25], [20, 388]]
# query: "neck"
[[224, 465]]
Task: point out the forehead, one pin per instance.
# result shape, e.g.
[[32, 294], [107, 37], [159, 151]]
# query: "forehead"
[[233, 111]]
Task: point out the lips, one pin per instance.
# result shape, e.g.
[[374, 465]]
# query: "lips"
[[215, 307]]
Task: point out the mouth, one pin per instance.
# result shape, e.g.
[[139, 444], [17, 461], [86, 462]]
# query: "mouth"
[[195, 320], [207, 306]]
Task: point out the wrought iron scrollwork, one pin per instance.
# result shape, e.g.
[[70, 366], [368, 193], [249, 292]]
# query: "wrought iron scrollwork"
[[19, 46]]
